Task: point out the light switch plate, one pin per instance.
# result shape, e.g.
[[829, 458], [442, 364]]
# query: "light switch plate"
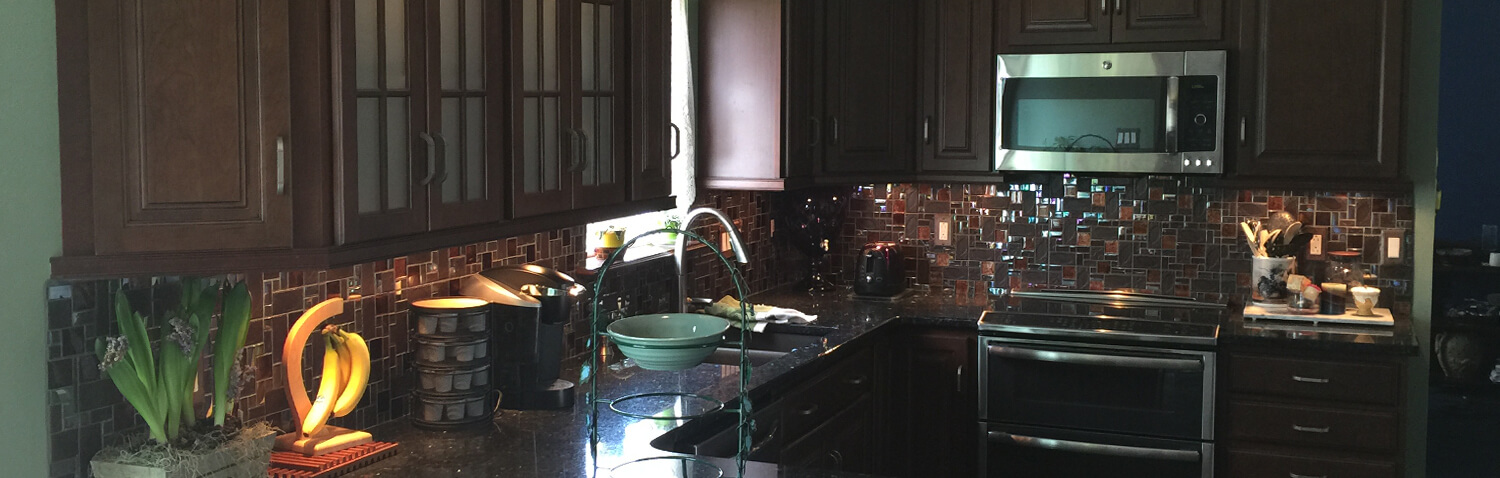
[[1391, 242]]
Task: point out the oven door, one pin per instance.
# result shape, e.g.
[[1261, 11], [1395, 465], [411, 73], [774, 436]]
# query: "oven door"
[[1019, 451], [1106, 388]]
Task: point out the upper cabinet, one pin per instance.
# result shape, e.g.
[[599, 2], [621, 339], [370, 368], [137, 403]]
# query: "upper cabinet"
[[870, 87], [569, 135], [958, 86], [419, 107], [175, 125], [1077, 22], [1320, 88], [655, 141]]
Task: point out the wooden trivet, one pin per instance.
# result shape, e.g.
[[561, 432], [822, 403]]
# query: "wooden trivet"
[[296, 465]]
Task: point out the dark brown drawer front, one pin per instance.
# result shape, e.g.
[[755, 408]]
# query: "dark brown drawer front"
[[1321, 427], [1342, 381], [831, 393], [1258, 464]]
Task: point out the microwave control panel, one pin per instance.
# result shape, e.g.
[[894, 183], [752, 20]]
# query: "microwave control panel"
[[1197, 120]]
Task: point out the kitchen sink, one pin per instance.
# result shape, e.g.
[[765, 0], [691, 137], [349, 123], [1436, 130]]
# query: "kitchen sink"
[[777, 340]]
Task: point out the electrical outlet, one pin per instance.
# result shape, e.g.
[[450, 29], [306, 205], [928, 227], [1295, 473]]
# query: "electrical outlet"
[[1315, 246], [944, 233]]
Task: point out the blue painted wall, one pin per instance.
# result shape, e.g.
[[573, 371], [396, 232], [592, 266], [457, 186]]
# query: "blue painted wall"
[[1469, 119]]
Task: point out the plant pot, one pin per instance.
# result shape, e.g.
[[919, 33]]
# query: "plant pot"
[[236, 459]]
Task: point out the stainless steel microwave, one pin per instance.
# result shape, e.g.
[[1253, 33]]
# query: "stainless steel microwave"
[[1143, 112]]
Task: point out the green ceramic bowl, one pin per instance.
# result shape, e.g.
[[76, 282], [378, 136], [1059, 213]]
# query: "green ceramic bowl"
[[668, 341]]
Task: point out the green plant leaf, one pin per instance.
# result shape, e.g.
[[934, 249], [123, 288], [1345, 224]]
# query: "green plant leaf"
[[232, 327]]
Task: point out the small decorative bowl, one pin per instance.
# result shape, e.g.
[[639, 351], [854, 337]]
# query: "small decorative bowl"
[[668, 341]]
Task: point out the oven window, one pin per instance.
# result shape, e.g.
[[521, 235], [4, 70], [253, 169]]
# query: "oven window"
[[1069, 388], [1123, 114]]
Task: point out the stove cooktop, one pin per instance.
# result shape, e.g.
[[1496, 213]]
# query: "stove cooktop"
[[1105, 315]]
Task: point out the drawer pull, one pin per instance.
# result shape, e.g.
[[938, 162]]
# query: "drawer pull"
[[808, 411], [855, 380], [1298, 475], [1302, 379], [1303, 429]]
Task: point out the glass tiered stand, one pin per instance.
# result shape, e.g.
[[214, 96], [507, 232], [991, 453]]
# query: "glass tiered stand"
[[687, 405]]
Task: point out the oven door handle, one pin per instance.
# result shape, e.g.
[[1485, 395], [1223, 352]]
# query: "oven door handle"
[[1071, 446], [1094, 359]]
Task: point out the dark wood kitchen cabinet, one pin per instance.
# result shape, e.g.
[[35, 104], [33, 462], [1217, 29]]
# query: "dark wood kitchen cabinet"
[[1290, 413], [654, 140], [175, 123], [1320, 89], [570, 133], [934, 401], [420, 106], [869, 91], [958, 86], [1086, 22]]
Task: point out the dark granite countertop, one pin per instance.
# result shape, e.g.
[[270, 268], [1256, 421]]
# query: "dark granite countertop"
[[1398, 339], [556, 443], [525, 444]]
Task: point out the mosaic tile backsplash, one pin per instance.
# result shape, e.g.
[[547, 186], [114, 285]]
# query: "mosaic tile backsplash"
[[1156, 233], [87, 412]]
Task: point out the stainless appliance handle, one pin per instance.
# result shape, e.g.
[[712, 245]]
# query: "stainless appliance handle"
[[1093, 359], [1171, 129], [1071, 446], [1115, 298], [280, 165], [432, 158]]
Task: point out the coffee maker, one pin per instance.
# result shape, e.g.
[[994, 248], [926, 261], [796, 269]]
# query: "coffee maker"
[[527, 342]]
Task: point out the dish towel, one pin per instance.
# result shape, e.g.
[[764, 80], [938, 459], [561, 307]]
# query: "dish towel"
[[729, 308]]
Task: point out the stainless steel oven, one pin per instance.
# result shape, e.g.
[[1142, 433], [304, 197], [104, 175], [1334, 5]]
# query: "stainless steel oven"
[[1089, 385], [1138, 112]]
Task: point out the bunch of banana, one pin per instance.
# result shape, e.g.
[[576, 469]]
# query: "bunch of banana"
[[346, 371]]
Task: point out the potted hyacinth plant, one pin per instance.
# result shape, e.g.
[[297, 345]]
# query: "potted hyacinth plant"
[[157, 378]]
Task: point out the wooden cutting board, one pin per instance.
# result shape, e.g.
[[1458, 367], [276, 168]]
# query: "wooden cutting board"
[[1257, 312]]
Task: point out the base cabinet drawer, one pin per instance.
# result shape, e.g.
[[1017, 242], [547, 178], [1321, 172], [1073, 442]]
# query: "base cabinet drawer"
[[1268, 464], [1373, 383], [1288, 424]]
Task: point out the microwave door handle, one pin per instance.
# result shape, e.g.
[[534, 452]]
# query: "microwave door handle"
[[1000, 81], [1070, 446], [1077, 358], [1171, 126]]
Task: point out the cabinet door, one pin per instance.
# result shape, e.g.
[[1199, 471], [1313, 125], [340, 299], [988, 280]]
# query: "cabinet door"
[[803, 58], [1168, 20], [386, 144], [655, 141], [1320, 89], [466, 79], [1056, 22], [189, 109], [599, 119], [939, 403], [541, 130], [871, 83], [958, 71]]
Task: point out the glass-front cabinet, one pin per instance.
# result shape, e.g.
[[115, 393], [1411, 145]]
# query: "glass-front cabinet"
[[569, 148], [419, 109]]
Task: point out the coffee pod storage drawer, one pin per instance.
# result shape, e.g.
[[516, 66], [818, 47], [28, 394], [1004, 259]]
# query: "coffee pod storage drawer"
[[453, 387]]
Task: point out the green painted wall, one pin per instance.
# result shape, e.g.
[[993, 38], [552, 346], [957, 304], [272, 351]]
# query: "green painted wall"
[[30, 227], [1421, 165]]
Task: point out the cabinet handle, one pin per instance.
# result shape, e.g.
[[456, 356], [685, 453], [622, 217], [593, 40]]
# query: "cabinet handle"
[[280, 165], [808, 410], [1299, 475], [856, 380], [1119, 8], [676, 141], [1302, 379], [1104, 7], [838, 458], [1242, 131], [835, 130], [442, 162], [958, 380], [817, 130], [1303, 429], [578, 149], [432, 158], [927, 130]]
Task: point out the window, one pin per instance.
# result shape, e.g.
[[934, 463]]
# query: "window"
[[683, 174]]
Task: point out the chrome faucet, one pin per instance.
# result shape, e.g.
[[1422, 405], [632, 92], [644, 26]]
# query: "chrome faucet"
[[734, 242]]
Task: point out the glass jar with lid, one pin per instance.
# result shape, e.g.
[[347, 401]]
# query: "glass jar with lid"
[[1342, 273]]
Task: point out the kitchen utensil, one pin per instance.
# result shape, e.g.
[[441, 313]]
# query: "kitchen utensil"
[[1291, 232], [882, 270], [668, 341], [1280, 220]]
